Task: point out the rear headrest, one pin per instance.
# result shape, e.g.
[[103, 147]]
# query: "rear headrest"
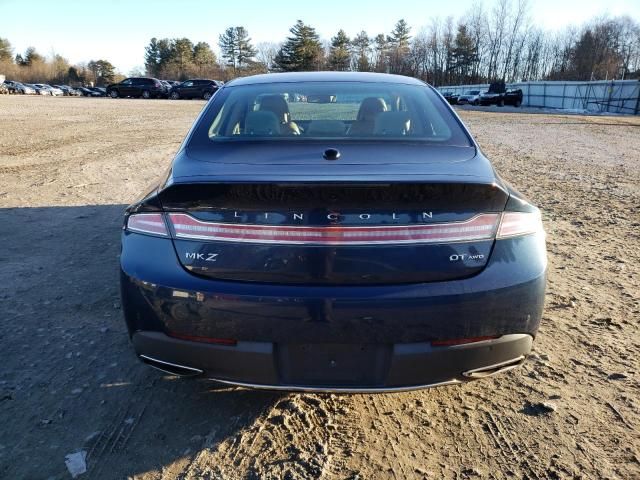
[[330, 128], [370, 107], [261, 123], [392, 123], [277, 105]]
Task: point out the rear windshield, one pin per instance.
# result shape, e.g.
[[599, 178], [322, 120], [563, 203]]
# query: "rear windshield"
[[321, 110]]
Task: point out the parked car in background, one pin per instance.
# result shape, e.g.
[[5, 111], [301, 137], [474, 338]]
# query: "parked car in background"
[[39, 88], [56, 92], [167, 88], [142, 87], [67, 90], [196, 88], [495, 94], [471, 97], [513, 96], [101, 92], [314, 249], [4, 90], [19, 88], [499, 95], [450, 97], [87, 92]]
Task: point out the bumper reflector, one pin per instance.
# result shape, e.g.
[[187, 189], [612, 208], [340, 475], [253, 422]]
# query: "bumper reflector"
[[194, 338], [480, 227]]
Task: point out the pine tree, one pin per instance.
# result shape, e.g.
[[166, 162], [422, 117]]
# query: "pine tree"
[[340, 52], [236, 47], [152, 57], [382, 53], [399, 43], [6, 52], [229, 46], [31, 56], [302, 51], [245, 50], [362, 47], [400, 35], [464, 53], [203, 56], [183, 55]]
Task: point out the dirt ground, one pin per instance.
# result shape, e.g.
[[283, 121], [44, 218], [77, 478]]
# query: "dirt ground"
[[69, 380]]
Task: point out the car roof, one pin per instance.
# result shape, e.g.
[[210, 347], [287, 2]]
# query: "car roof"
[[298, 77]]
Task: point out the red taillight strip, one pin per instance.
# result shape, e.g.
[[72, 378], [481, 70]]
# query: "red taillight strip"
[[147, 223], [480, 227], [195, 338], [514, 224]]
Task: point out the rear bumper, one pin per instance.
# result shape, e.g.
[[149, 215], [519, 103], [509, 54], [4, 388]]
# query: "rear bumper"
[[287, 335], [382, 368]]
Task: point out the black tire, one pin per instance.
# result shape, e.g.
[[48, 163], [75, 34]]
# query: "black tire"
[[501, 103], [518, 103], [113, 94], [206, 95], [476, 103], [174, 96], [146, 94]]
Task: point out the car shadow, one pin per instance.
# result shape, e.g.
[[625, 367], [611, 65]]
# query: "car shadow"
[[69, 380]]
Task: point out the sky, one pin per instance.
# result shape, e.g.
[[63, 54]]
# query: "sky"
[[119, 30]]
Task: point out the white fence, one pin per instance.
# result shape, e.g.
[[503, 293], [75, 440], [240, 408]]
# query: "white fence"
[[616, 96]]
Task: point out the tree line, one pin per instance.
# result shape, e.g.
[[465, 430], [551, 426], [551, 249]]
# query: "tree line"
[[483, 45], [33, 67], [500, 42]]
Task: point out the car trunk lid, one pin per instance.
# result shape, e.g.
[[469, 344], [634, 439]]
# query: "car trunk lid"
[[334, 232]]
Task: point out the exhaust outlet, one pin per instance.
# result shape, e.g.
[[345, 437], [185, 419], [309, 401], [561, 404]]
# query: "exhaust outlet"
[[490, 370], [171, 368]]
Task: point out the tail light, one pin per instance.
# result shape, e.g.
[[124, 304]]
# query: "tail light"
[[151, 223], [514, 224], [480, 227]]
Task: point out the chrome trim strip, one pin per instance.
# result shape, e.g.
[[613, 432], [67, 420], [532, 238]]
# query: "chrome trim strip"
[[196, 371], [297, 388], [501, 367]]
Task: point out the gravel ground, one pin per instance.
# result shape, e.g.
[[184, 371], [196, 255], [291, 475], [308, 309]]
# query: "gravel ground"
[[69, 381]]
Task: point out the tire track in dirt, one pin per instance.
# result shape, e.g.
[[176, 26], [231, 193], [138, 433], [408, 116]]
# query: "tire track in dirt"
[[289, 440]]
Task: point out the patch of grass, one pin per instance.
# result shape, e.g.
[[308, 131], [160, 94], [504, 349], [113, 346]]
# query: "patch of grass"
[[323, 111]]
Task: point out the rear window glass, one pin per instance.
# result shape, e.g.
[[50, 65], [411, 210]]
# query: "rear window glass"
[[340, 110]]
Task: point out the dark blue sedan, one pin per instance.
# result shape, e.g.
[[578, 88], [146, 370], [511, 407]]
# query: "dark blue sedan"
[[332, 232]]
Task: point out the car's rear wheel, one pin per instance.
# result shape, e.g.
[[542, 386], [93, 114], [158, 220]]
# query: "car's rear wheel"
[[501, 103], [206, 95], [476, 103], [113, 94], [174, 96], [518, 103], [146, 94]]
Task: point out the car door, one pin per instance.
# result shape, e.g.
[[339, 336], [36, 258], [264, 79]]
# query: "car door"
[[187, 89], [137, 87], [124, 87]]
